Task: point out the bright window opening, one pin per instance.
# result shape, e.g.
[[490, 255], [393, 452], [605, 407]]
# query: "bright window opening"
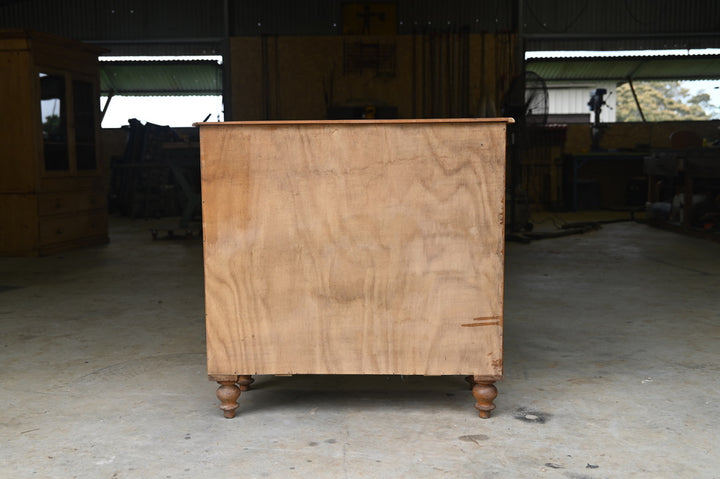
[[176, 110], [695, 100], [659, 100]]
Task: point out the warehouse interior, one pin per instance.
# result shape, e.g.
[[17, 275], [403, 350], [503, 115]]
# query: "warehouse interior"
[[611, 260]]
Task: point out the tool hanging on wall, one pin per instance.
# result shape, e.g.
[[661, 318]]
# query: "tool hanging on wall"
[[596, 103]]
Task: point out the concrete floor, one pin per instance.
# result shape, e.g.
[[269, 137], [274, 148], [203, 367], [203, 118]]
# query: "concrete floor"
[[612, 356]]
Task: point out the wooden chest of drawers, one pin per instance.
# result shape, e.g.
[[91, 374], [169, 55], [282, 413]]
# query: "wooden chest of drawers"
[[354, 247]]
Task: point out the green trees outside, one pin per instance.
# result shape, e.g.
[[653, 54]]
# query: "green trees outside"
[[663, 101], [52, 128]]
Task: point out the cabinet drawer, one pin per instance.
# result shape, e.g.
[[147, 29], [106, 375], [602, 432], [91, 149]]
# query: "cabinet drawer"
[[57, 203], [67, 228], [91, 201], [60, 203]]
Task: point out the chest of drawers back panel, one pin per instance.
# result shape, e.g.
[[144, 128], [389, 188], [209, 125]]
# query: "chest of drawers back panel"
[[347, 247]]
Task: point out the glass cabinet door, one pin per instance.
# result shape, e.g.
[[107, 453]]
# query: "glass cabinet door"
[[53, 109], [84, 111], [68, 117]]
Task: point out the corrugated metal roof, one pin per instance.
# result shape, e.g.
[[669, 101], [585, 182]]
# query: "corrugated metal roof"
[[608, 17], [135, 27], [158, 78], [620, 24], [685, 67], [122, 20], [101, 20]]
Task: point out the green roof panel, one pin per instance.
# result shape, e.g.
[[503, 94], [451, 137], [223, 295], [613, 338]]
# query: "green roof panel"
[[680, 67], [161, 78]]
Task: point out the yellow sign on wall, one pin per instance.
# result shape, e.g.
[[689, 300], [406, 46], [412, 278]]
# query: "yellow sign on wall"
[[369, 19]]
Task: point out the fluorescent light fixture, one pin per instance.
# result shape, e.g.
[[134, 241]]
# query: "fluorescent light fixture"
[[110, 58], [620, 53]]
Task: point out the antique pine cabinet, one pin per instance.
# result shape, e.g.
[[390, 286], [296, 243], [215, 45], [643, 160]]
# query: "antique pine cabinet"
[[354, 247], [52, 193]]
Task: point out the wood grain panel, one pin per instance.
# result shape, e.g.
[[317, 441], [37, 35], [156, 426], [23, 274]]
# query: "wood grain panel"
[[18, 224], [354, 247], [17, 174], [66, 228], [58, 203]]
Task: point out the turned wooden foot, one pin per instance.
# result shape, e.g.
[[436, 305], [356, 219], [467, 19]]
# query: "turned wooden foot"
[[244, 382], [229, 391], [485, 393], [228, 394], [471, 381]]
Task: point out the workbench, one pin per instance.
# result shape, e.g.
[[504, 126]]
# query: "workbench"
[[689, 166], [616, 167]]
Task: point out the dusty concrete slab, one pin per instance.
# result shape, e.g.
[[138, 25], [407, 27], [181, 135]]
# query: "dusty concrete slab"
[[611, 364]]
